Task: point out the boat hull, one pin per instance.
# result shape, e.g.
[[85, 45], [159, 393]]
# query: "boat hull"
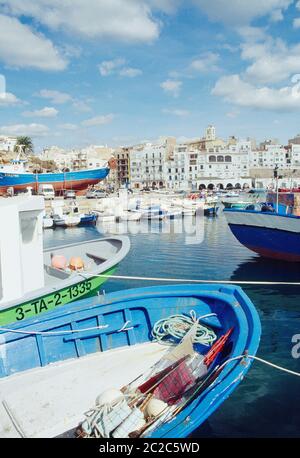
[[76, 180], [270, 235], [53, 300], [62, 288], [118, 321]]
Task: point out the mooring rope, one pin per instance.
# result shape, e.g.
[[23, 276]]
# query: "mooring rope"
[[261, 360], [189, 280]]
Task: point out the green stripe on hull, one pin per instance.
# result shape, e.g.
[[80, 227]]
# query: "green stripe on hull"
[[44, 304]]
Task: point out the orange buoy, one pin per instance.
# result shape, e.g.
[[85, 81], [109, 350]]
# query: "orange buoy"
[[58, 261], [76, 263]]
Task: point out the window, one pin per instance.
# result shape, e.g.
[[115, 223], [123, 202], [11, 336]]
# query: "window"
[[212, 158]]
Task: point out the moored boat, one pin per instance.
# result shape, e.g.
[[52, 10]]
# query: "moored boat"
[[66, 220], [70, 357], [88, 219], [67, 284], [48, 222], [270, 233]]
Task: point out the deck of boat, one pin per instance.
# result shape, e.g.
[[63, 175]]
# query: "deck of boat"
[[48, 401]]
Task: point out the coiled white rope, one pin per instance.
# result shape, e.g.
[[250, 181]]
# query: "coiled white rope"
[[177, 326]]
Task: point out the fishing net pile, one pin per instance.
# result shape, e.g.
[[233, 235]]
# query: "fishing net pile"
[[159, 395]]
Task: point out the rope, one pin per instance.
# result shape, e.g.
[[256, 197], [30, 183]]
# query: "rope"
[[261, 360], [185, 280], [55, 333], [177, 326]]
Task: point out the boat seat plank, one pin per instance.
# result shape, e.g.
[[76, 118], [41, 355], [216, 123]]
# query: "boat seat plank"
[[48, 402]]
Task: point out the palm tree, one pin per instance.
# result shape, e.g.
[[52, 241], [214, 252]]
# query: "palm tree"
[[24, 144]]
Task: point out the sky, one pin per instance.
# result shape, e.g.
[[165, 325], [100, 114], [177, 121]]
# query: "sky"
[[118, 72]]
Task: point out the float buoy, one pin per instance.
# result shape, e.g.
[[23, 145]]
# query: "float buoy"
[[58, 261], [76, 263]]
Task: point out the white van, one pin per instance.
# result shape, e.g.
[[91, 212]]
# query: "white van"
[[47, 191]]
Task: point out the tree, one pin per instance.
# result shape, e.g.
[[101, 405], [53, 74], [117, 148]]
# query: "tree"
[[24, 144]]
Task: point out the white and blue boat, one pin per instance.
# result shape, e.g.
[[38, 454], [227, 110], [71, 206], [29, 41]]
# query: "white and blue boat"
[[272, 233], [53, 369], [17, 177]]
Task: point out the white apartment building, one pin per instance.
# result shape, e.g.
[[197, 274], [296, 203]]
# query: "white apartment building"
[[147, 165], [176, 167], [294, 156], [269, 157], [7, 143], [219, 166]]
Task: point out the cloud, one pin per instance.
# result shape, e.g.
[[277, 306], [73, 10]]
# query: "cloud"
[[108, 67], [171, 87], [251, 33], [130, 72], [176, 112], [207, 62], [167, 6], [232, 114], [296, 23], [238, 92], [98, 120], [272, 61], [8, 99], [117, 66], [241, 12], [33, 130], [56, 97], [123, 20], [22, 48], [81, 105], [68, 126], [46, 112]]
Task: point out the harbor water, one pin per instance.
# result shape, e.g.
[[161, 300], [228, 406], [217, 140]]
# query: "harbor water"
[[267, 402]]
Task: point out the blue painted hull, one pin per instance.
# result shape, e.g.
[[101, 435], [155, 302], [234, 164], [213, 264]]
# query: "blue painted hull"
[[268, 242], [142, 307], [86, 220], [212, 211], [77, 180], [268, 233]]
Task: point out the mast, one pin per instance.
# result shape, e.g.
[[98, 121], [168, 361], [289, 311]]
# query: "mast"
[[277, 191]]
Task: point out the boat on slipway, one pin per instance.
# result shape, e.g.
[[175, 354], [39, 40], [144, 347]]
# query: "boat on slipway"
[[109, 367], [269, 230], [17, 177]]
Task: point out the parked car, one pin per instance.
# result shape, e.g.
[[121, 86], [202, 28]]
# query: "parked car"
[[69, 194], [95, 194], [46, 190]]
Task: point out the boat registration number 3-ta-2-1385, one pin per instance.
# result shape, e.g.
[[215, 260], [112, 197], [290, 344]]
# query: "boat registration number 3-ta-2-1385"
[[49, 302]]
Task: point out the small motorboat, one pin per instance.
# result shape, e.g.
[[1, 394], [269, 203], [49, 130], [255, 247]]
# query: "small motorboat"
[[67, 284], [130, 216], [48, 222], [105, 217], [88, 219], [210, 210], [66, 220], [152, 212], [232, 194], [152, 362]]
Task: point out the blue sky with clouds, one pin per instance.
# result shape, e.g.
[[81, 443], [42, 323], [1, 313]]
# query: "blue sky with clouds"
[[122, 71]]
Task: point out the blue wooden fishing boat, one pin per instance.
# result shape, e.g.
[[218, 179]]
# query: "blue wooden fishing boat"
[[53, 368]]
